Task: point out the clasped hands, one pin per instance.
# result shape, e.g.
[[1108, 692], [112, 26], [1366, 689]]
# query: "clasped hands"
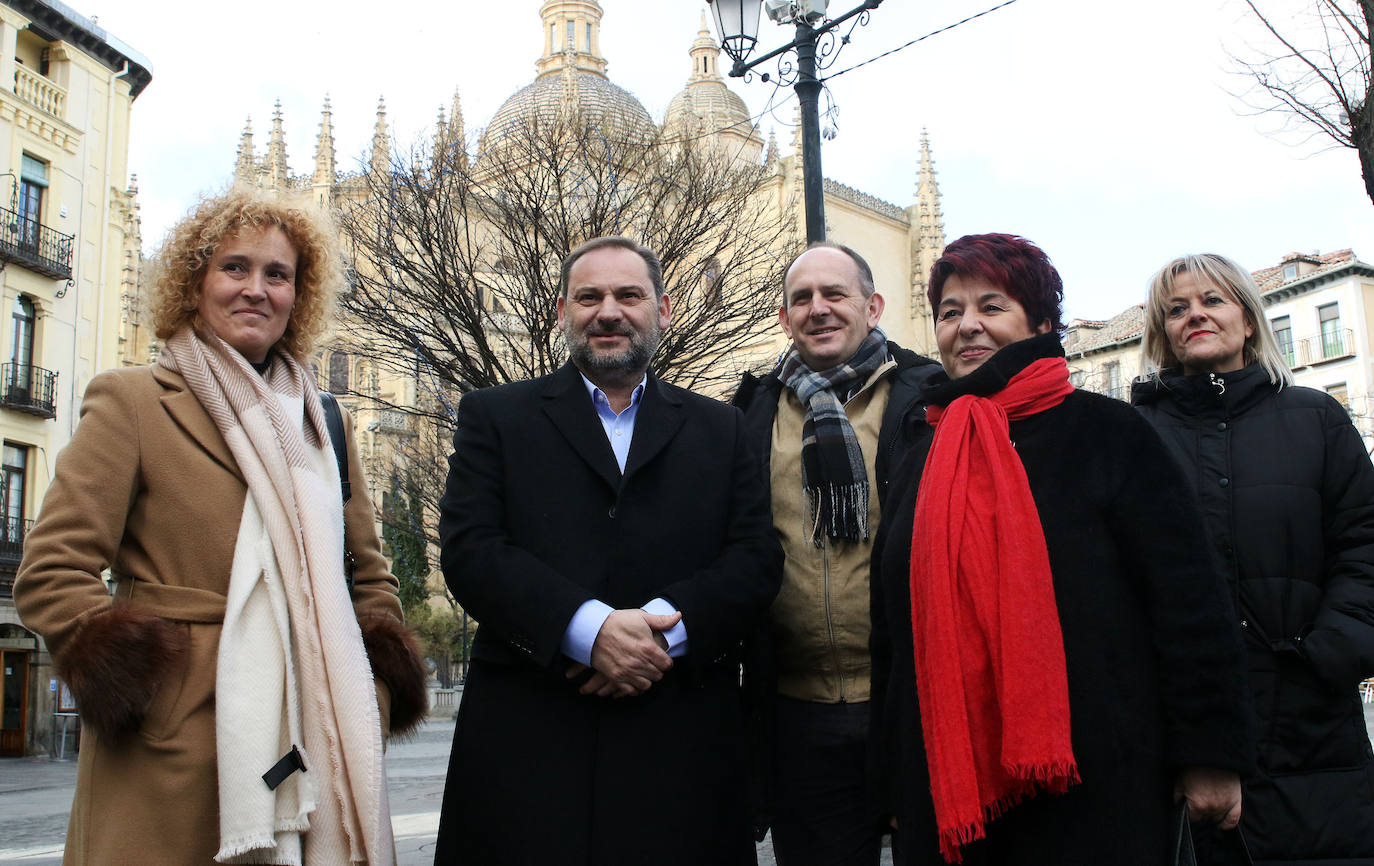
[[629, 655]]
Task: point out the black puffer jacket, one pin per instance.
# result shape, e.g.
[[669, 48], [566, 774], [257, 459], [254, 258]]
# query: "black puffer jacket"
[[1287, 491]]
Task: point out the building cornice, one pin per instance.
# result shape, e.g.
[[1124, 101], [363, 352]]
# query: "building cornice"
[[1314, 281], [40, 123], [865, 201], [57, 21]]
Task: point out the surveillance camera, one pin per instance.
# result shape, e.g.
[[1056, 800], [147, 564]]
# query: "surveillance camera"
[[779, 11], [812, 11]]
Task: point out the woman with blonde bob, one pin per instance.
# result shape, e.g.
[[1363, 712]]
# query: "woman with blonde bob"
[[1287, 491], [234, 687]]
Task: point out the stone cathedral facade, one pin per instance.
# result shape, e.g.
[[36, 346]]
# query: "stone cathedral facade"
[[900, 242]]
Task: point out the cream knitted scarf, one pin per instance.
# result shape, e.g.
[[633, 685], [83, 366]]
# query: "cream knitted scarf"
[[292, 670]]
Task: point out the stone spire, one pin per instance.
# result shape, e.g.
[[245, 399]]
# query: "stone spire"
[[705, 56], [278, 175], [324, 149], [457, 133], [572, 37], [772, 157], [442, 142], [245, 167], [381, 143], [135, 233], [927, 230]]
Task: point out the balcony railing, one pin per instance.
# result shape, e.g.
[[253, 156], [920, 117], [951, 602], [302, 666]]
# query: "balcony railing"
[[40, 91], [30, 389], [35, 246], [1339, 343], [13, 530]]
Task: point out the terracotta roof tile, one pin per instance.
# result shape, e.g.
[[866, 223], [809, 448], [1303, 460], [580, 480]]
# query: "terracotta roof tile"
[[1271, 278]]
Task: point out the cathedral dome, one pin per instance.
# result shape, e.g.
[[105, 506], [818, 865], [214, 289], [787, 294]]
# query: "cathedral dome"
[[710, 105], [709, 110], [706, 104], [599, 101], [570, 77]]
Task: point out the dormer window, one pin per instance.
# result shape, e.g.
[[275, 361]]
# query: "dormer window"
[[1290, 271]]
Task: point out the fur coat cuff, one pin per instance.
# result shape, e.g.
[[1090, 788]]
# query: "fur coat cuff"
[[115, 663], [398, 661]]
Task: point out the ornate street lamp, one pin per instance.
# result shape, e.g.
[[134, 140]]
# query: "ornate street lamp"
[[739, 19], [737, 24]]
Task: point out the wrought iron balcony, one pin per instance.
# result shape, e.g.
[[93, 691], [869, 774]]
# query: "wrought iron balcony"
[[13, 530], [29, 243], [1327, 346], [28, 389]]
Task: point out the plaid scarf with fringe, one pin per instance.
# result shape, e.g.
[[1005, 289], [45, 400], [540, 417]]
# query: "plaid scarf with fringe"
[[833, 472]]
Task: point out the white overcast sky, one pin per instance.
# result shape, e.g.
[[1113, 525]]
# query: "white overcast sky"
[[1103, 131]]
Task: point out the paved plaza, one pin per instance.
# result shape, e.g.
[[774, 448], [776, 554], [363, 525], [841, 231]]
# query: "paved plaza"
[[36, 795]]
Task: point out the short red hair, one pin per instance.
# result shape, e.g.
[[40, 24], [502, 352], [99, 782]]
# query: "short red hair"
[[1013, 264]]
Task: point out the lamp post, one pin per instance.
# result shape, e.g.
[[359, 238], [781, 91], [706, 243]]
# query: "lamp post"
[[737, 24]]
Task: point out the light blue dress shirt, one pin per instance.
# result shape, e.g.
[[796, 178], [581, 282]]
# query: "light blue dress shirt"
[[587, 621]]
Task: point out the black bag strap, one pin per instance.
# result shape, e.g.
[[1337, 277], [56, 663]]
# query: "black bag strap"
[[1181, 852], [333, 419], [1205, 845]]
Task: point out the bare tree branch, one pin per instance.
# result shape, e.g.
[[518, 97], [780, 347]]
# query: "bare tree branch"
[[457, 263], [1321, 79]]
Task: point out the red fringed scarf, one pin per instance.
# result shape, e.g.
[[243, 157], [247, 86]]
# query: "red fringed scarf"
[[990, 672]]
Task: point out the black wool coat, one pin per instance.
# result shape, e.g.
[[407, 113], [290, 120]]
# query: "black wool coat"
[[1153, 659], [536, 519], [1287, 492]]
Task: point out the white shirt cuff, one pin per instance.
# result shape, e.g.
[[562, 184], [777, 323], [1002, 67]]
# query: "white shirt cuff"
[[583, 629], [677, 635]]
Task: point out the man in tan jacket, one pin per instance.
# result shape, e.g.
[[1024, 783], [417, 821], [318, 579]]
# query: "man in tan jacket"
[[830, 422]]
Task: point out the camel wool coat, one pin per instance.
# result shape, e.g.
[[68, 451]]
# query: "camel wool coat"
[[148, 488]]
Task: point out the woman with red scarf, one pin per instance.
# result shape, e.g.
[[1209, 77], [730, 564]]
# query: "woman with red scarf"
[[1053, 662]]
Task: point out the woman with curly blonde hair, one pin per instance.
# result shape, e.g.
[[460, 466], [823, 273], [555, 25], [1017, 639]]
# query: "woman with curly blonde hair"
[[235, 687]]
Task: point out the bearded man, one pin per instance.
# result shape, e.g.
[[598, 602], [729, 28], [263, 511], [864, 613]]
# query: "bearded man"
[[611, 534]]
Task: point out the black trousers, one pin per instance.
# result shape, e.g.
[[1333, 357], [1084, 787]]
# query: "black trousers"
[[821, 817]]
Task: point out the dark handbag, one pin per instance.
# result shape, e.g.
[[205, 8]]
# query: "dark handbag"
[[1212, 847]]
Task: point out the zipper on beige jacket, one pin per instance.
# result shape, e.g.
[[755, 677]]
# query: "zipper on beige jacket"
[[830, 619]]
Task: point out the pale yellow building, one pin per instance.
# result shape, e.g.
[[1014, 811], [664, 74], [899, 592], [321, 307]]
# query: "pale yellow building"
[[69, 259], [1321, 307]]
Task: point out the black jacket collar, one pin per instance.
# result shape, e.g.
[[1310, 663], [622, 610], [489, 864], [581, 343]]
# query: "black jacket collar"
[[996, 371], [752, 386], [1205, 393]]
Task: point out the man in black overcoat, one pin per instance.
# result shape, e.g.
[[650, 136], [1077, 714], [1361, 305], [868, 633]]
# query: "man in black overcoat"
[[611, 534]]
